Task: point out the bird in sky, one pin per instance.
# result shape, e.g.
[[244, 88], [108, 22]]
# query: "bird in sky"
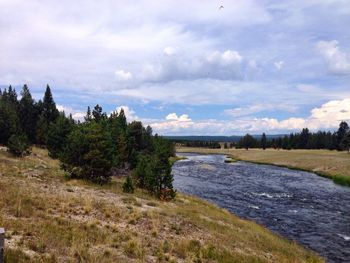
[[221, 7]]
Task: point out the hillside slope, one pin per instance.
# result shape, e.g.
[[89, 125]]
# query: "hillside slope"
[[51, 219]]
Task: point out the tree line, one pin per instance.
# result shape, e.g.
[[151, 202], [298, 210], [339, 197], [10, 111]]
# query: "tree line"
[[203, 144], [94, 149], [338, 140]]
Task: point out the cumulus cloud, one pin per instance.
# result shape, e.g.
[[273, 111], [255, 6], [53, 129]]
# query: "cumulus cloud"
[[76, 114], [215, 64], [182, 53], [174, 117], [327, 116], [279, 64], [169, 51], [129, 113], [123, 75], [338, 61], [246, 111], [173, 123]]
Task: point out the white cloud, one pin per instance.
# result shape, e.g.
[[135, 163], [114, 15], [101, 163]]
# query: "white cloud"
[[246, 111], [123, 75], [201, 65], [169, 51], [279, 64], [338, 62], [129, 113], [173, 123], [174, 117], [76, 114], [327, 116], [229, 57]]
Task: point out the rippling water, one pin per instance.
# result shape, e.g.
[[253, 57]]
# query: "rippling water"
[[299, 205]]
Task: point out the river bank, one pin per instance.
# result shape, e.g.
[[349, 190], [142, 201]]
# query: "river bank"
[[52, 219], [298, 205], [330, 164]]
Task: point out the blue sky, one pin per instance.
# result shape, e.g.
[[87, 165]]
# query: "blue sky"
[[186, 67]]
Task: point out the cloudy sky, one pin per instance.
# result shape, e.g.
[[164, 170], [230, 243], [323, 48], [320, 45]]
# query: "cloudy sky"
[[186, 67]]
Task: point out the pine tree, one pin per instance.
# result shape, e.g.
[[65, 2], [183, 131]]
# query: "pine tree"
[[58, 134], [163, 179], [340, 134], [28, 114], [88, 116], [123, 151], [263, 141], [345, 143], [122, 120], [97, 113], [141, 170], [88, 153], [9, 122], [41, 131], [12, 97], [49, 110]]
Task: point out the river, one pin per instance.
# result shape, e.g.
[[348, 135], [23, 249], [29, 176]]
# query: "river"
[[299, 205]]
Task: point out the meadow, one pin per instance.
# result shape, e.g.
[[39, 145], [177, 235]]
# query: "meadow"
[[50, 218], [331, 164]]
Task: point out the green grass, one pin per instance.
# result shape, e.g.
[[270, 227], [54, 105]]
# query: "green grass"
[[176, 158], [342, 180], [230, 160]]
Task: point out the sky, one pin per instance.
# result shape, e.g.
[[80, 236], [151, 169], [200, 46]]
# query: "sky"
[[185, 67]]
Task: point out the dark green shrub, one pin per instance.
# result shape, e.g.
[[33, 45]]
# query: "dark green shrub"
[[128, 186], [18, 145]]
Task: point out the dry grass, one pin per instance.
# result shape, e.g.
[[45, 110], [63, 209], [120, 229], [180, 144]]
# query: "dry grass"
[[320, 161], [50, 219]]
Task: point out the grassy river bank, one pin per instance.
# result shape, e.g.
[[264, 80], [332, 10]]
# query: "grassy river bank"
[[51, 219], [331, 164]]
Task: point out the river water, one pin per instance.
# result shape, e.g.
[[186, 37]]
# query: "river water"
[[298, 205]]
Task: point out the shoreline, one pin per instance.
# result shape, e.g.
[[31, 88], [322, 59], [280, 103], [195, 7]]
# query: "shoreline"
[[338, 179], [128, 228]]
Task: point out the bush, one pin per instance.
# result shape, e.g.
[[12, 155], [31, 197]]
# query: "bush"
[[18, 145], [128, 186]]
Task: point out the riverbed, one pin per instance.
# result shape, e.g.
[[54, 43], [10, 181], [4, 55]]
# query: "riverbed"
[[301, 206]]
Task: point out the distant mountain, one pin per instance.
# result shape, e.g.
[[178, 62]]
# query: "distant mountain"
[[233, 138]]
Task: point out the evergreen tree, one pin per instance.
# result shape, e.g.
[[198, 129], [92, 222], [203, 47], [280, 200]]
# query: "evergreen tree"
[[12, 97], [28, 114], [122, 119], [97, 113], [88, 153], [342, 131], [135, 132], [9, 122], [41, 130], [88, 116], [142, 170], [163, 179], [123, 151], [304, 139], [247, 141], [58, 134], [49, 110], [345, 143], [263, 142]]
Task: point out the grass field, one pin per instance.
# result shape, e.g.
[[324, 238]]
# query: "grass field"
[[49, 218], [332, 164]]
